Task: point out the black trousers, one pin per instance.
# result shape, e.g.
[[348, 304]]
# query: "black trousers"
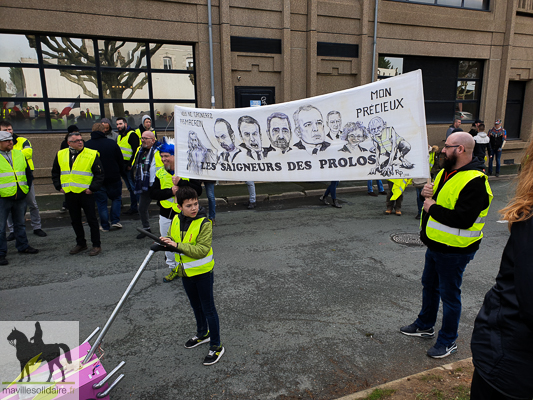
[[75, 203], [481, 390]]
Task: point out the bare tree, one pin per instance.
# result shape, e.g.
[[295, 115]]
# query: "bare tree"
[[114, 83]]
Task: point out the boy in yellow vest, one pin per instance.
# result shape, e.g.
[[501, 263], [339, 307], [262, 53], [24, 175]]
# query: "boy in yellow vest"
[[192, 233]]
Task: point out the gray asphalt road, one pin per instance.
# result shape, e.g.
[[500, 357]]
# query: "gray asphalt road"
[[310, 300]]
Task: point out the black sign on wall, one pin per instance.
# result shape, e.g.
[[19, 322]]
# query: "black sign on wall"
[[254, 96]]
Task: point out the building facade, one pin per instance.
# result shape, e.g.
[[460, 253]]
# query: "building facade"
[[74, 62]]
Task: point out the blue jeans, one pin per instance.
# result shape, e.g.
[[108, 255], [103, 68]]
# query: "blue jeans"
[[251, 190], [419, 201], [498, 155], [210, 192], [113, 191], [332, 189], [130, 184], [17, 208], [442, 279], [371, 189], [199, 290]]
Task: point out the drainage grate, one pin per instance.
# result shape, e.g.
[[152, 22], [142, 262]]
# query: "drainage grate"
[[408, 239]]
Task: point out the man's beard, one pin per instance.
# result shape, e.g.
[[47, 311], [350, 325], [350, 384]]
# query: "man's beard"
[[282, 144], [449, 162], [228, 147]]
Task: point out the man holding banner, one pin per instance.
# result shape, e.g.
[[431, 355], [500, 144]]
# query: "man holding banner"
[[454, 214]]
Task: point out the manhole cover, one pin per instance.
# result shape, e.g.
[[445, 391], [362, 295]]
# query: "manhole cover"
[[408, 239]]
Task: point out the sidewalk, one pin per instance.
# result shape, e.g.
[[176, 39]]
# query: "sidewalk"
[[409, 381], [236, 193]]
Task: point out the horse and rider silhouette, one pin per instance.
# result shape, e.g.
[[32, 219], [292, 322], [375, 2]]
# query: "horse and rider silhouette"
[[29, 352]]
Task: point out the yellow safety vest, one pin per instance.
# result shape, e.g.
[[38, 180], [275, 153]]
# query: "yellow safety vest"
[[125, 147], [27, 151], [80, 177], [398, 187], [11, 176], [431, 160], [188, 266], [165, 180], [139, 133], [447, 198]]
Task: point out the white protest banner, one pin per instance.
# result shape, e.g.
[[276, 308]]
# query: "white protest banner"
[[368, 132]]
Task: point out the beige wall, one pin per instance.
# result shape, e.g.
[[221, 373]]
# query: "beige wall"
[[500, 37]]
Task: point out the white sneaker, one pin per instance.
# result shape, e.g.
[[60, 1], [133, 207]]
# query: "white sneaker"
[[104, 230], [118, 225]]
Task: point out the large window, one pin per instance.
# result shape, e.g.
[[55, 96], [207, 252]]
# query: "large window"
[[452, 87], [50, 82], [470, 4]]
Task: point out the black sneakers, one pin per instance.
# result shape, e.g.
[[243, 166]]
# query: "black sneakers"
[[442, 351], [214, 355], [197, 341], [413, 330]]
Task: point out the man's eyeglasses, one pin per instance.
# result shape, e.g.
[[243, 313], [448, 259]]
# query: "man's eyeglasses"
[[447, 146], [76, 141], [146, 138]]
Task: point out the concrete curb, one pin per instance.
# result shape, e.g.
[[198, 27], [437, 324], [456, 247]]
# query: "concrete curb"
[[365, 393], [238, 200]]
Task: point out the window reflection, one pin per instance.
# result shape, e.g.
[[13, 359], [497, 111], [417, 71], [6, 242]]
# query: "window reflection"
[[17, 49], [24, 115], [172, 56], [20, 82], [75, 87], [473, 4], [71, 83], [164, 114], [166, 86], [81, 114], [67, 51], [469, 69], [133, 112], [125, 85], [121, 54], [389, 66], [466, 90]]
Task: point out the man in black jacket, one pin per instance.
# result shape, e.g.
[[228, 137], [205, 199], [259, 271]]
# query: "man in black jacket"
[[455, 208], [113, 164], [78, 173]]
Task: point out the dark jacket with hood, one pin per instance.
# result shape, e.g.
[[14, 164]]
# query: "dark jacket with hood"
[[502, 341], [110, 155], [156, 193], [471, 201]]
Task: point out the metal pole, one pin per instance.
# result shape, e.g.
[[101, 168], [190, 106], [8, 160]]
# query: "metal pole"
[[375, 42], [119, 306], [211, 54]]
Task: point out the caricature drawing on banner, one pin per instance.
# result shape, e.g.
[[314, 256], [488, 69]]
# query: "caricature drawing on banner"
[[368, 132], [200, 151]]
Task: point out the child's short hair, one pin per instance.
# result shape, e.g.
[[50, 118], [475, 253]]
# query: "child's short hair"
[[185, 193], [481, 127]]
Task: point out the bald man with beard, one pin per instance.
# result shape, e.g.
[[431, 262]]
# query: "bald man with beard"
[[455, 208]]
